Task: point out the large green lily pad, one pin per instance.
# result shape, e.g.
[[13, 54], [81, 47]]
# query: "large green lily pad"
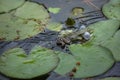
[[66, 64], [15, 63], [103, 30], [14, 28], [114, 45], [111, 78], [25, 22], [94, 60], [7, 5], [112, 9], [34, 11]]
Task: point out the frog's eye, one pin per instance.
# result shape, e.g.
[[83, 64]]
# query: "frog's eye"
[[86, 35], [82, 27]]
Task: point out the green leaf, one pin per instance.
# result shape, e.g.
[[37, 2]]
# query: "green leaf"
[[14, 28], [111, 78], [77, 11], [66, 64], [103, 30], [7, 5], [113, 44], [112, 9], [32, 10], [90, 57], [27, 21], [54, 10], [54, 26], [40, 61]]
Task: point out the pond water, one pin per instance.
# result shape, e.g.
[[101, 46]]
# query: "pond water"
[[48, 38]]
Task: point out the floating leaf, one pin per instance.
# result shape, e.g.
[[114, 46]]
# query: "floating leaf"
[[7, 5], [112, 9], [27, 21], [111, 78], [90, 57], [54, 10], [77, 11], [40, 61], [54, 26], [32, 10], [103, 30], [114, 45], [67, 63], [14, 28]]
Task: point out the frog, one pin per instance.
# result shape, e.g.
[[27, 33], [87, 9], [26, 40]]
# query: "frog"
[[73, 36]]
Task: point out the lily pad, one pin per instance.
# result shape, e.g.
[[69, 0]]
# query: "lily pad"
[[7, 5], [17, 64], [111, 78], [31, 10], [67, 63], [112, 9], [114, 45], [90, 57], [103, 30], [14, 28], [54, 10], [77, 11], [54, 26]]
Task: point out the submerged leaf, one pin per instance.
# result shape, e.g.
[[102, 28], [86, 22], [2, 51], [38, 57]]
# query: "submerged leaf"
[[90, 57], [40, 61]]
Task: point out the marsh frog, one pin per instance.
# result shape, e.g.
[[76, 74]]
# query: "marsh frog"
[[73, 36]]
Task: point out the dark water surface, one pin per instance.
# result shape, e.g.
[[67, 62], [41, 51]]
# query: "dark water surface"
[[48, 38]]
